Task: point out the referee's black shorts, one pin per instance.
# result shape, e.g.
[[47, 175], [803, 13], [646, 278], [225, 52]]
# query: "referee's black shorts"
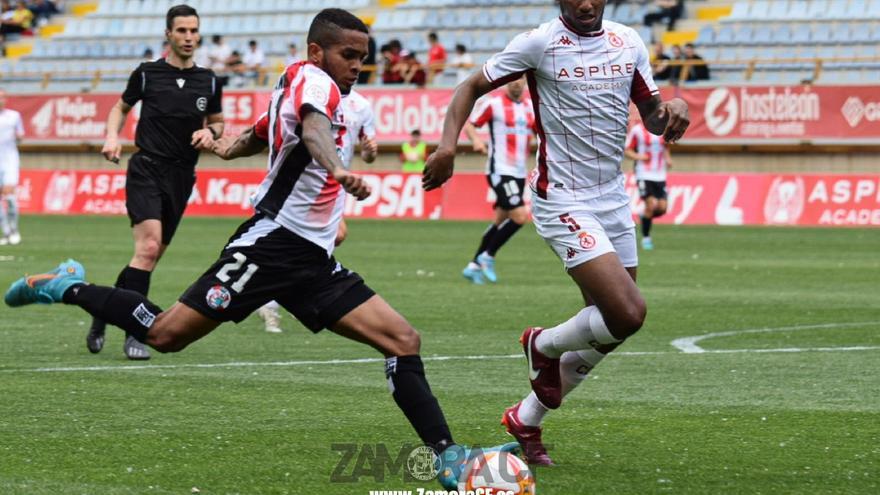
[[157, 190]]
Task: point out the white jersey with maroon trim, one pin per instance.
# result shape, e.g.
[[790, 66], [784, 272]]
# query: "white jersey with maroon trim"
[[581, 85], [297, 192], [644, 143], [359, 123], [510, 127]]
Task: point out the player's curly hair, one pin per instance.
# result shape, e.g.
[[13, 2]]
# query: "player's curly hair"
[[327, 24], [179, 11]]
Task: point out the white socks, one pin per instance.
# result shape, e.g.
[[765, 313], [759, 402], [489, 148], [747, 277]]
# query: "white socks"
[[573, 368], [583, 331]]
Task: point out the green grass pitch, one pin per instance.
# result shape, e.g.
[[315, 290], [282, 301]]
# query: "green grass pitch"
[[793, 409]]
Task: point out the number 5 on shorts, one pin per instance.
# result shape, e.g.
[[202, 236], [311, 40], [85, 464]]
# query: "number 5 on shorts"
[[572, 224], [223, 274]]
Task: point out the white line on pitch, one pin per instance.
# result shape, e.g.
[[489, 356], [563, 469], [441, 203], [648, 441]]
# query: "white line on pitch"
[[689, 345], [430, 358]]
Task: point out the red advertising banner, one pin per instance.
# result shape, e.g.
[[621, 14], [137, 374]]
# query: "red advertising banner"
[[731, 114], [713, 199]]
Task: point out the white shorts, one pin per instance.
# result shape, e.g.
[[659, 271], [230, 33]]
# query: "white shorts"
[[8, 168], [578, 234]]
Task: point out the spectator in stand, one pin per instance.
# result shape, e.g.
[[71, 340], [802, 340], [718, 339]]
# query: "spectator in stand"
[[365, 75], [462, 62], [236, 69], [292, 55], [411, 70], [675, 70], [671, 10], [390, 61], [254, 62], [201, 56], [43, 10], [218, 56], [699, 71], [660, 63], [166, 49], [436, 54], [413, 153], [16, 21], [148, 55]]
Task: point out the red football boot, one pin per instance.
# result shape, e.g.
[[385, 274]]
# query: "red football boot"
[[543, 371], [529, 437]]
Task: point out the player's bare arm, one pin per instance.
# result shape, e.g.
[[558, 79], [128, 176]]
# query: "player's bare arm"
[[112, 150], [319, 141], [246, 144], [668, 157], [203, 139], [478, 144], [667, 118], [439, 167]]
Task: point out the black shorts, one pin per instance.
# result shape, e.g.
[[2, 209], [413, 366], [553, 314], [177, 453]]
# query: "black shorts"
[[508, 191], [652, 189], [263, 262], [155, 190]]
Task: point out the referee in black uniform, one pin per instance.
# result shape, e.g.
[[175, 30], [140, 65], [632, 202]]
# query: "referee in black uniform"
[[181, 113]]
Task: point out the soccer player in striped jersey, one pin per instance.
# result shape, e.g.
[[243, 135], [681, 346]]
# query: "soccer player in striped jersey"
[[652, 160], [582, 73], [284, 251], [511, 123]]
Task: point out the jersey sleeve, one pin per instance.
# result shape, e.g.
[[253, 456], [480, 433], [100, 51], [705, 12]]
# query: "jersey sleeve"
[[134, 90], [632, 142], [643, 85], [261, 127], [215, 104], [522, 54], [483, 114], [316, 94], [369, 127]]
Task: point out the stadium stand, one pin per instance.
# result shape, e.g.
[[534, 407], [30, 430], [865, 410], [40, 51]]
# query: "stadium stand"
[[779, 41]]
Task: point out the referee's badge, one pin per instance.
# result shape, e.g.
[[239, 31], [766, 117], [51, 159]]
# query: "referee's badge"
[[202, 104]]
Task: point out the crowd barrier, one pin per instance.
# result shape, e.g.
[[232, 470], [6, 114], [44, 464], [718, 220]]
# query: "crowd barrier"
[[713, 199]]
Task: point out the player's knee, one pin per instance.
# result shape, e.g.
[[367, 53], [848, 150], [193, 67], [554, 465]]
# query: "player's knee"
[[660, 210], [407, 342], [629, 320], [149, 250], [519, 216]]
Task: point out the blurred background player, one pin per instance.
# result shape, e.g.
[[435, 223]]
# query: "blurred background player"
[[511, 123], [579, 204], [11, 132], [652, 160], [357, 114], [413, 153], [181, 113]]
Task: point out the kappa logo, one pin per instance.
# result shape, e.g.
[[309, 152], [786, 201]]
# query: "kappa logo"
[[565, 40], [571, 253], [614, 40], [180, 83], [721, 112]]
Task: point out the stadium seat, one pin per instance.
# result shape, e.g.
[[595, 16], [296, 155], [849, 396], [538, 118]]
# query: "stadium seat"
[[778, 11], [759, 11], [841, 33], [743, 35], [725, 35], [706, 36]]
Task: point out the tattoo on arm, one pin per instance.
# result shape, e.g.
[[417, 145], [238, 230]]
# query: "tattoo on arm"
[[247, 144], [319, 141]]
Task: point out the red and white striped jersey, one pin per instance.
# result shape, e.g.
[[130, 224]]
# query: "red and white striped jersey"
[[359, 122], [297, 192], [580, 85], [510, 126], [644, 143]]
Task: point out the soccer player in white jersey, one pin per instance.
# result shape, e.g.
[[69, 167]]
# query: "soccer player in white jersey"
[[511, 124], [11, 132], [652, 160], [582, 73], [283, 252], [361, 128]]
